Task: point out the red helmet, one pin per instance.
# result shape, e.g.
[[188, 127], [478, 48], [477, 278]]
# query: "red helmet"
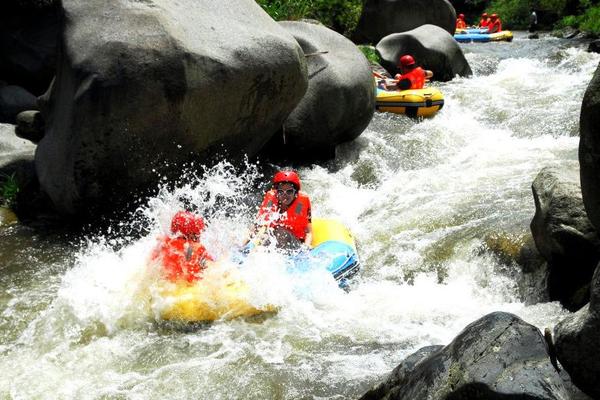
[[407, 61], [494, 16], [461, 16], [484, 15], [187, 224], [287, 176]]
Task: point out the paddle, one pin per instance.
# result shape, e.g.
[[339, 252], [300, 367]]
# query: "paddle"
[[378, 75], [386, 80]]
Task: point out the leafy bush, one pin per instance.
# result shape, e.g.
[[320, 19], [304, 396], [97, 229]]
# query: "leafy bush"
[[339, 15], [370, 53], [569, 20], [8, 190], [281, 10], [590, 20], [513, 13]]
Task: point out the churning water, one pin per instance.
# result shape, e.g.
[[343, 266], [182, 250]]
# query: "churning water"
[[421, 198]]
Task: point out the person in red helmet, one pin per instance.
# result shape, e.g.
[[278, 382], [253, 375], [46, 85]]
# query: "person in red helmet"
[[484, 21], [285, 212], [181, 254], [412, 76], [460, 22], [495, 24]]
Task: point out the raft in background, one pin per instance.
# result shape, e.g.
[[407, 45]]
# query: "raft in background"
[[424, 102], [478, 35], [227, 296]]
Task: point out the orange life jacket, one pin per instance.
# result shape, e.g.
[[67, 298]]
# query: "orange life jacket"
[[416, 77], [460, 24], [495, 26], [181, 259], [295, 219]]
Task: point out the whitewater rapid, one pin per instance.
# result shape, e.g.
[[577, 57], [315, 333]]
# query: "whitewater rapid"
[[421, 197]]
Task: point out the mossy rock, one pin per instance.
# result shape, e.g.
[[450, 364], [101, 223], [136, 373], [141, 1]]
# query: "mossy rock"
[[505, 246], [7, 217]]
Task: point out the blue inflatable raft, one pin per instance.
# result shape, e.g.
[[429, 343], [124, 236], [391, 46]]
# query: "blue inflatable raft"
[[479, 36]]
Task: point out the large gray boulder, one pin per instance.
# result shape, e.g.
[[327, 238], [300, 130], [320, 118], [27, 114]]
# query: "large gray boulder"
[[432, 47], [498, 356], [577, 342], [145, 87], [380, 18], [589, 149], [28, 39], [564, 235], [339, 102], [13, 100], [13, 148]]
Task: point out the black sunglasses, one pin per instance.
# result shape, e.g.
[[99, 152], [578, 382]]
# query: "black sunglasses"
[[288, 192]]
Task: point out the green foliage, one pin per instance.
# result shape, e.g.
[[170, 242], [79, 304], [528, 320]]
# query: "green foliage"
[[339, 15], [514, 13], [590, 20], [569, 20], [370, 53], [8, 190], [557, 6], [281, 10]]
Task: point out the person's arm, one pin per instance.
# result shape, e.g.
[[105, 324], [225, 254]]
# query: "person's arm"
[[308, 228], [262, 219], [309, 235]]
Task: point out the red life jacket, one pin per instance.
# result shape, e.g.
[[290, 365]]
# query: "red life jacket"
[[416, 77], [295, 219], [180, 258], [460, 24], [495, 26], [483, 22]]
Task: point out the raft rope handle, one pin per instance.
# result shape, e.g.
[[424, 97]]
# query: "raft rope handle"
[[424, 96]]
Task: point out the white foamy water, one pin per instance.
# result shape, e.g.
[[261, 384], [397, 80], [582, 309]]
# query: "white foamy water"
[[420, 197]]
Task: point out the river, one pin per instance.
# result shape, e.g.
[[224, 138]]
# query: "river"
[[421, 199]]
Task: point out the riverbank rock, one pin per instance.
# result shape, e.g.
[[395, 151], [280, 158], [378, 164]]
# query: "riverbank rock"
[[30, 126], [432, 47], [594, 47], [7, 217], [29, 43], [13, 100], [13, 147], [564, 236], [533, 285], [380, 18], [398, 376], [589, 149], [145, 88], [339, 102], [497, 356], [17, 166], [577, 342]]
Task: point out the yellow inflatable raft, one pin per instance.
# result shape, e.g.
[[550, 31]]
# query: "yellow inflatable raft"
[[205, 301], [414, 103], [502, 35], [222, 294]]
